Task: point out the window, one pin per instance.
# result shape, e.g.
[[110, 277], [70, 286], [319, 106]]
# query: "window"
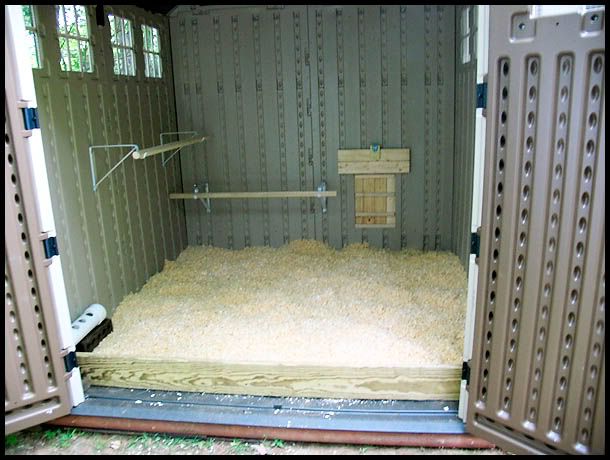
[[73, 33], [121, 37], [32, 30], [152, 51]]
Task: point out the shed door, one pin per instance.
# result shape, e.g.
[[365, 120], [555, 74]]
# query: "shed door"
[[537, 373], [36, 320]]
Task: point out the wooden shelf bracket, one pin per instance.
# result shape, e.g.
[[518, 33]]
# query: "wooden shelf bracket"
[[139, 154]]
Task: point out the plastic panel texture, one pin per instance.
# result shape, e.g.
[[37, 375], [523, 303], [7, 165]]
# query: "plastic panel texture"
[[538, 373], [35, 389], [281, 88], [111, 241]]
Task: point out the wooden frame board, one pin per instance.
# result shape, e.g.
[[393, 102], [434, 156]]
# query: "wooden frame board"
[[416, 383]]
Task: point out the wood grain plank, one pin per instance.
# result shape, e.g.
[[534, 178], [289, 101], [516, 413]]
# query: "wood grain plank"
[[351, 155], [273, 380], [373, 167]]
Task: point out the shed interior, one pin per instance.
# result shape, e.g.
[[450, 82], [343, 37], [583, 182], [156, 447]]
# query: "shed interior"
[[359, 291]]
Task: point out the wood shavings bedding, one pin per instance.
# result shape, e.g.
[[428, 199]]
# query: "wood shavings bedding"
[[304, 303]]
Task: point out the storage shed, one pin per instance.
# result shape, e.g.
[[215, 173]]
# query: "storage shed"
[[311, 222]]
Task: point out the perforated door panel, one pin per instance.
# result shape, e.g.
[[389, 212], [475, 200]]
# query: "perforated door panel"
[[537, 372]]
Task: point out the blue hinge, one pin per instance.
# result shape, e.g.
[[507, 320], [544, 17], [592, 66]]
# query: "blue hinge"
[[466, 371], [30, 118], [475, 244], [50, 247], [70, 361], [482, 95]]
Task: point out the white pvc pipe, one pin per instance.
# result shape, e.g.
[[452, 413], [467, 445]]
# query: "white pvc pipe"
[[85, 323]]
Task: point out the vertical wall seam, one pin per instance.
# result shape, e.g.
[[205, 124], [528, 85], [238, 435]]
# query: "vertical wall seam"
[[264, 186], [342, 141], [137, 189], [384, 95], [74, 294], [322, 112], [98, 200], [97, 195], [130, 246], [427, 147], [240, 129], [79, 185], [403, 121], [362, 87], [223, 128], [203, 146], [150, 238], [281, 123], [298, 68]]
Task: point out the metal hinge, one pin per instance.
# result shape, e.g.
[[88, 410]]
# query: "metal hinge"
[[30, 118], [466, 372], [475, 242], [308, 107], [482, 95], [70, 361], [50, 247]]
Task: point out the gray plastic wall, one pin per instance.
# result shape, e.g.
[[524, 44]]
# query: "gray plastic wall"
[[280, 89], [465, 107], [111, 241]]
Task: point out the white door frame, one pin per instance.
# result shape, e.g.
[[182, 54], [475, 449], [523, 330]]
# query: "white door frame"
[[482, 51]]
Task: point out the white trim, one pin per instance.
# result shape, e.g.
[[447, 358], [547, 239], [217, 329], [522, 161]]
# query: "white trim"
[[477, 195]]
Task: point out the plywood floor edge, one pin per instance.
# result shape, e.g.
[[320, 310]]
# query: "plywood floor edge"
[[417, 383]]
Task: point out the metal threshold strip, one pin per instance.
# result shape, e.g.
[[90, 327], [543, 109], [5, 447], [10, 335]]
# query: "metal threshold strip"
[[386, 422]]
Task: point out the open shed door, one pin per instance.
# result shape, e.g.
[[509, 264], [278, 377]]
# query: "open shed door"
[[40, 384], [537, 373]]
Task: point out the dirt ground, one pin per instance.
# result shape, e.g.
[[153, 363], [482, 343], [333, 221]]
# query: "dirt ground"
[[54, 441]]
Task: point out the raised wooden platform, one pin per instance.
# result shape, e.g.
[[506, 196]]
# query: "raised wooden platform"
[[433, 383]]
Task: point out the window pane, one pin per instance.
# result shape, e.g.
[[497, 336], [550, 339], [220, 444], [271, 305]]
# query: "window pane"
[[115, 59], [144, 37], [61, 25], [82, 21], [27, 15], [147, 64], [158, 65], [130, 63], [112, 30], [70, 19], [127, 31], [86, 56], [155, 40], [63, 50], [32, 46], [73, 49]]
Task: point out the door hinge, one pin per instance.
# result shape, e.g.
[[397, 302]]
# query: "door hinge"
[[475, 242], [466, 372], [30, 118], [70, 361], [482, 95], [50, 247]]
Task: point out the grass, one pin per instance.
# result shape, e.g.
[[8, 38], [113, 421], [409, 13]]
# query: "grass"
[[278, 443], [238, 446], [11, 440]]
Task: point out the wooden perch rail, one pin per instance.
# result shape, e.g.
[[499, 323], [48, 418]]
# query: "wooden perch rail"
[[143, 153], [230, 195]]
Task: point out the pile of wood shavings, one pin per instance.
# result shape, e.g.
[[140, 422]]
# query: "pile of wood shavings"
[[304, 303]]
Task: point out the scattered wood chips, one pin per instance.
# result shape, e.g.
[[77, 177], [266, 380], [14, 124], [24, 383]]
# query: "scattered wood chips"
[[305, 303]]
